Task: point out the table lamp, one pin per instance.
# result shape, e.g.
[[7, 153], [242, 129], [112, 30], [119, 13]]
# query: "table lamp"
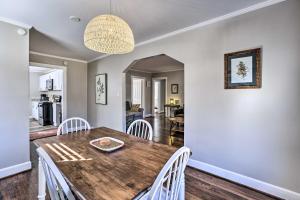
[[171, 101]]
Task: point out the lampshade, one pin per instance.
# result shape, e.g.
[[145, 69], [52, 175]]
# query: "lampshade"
[[109, 34], [171, 101]]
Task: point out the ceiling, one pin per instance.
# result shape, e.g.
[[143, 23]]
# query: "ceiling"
[[53, 32], [156, 64]]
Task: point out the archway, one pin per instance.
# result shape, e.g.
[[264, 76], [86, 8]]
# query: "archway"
[[156, 86]]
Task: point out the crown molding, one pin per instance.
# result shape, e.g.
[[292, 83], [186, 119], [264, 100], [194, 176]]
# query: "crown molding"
[[165, 71], [202, 24], [58, 57], [15, 22], [137, 70], [99, 58]]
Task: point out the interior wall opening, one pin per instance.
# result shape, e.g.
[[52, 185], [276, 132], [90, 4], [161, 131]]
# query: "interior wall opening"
[[154, 91], [47, 107]]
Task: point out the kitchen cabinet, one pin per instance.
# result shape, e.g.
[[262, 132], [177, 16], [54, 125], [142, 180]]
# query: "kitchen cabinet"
[[35, 110], [57, 77], [43, 79]]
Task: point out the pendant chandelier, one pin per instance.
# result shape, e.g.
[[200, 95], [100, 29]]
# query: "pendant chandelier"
[[109, 34]]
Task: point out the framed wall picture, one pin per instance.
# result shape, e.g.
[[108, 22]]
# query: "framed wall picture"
[[174, 88], [101, 89], [243, 69]]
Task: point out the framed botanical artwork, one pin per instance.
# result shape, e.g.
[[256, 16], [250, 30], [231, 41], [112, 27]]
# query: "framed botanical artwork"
[[243, 69], [101, 89], [174, 88]]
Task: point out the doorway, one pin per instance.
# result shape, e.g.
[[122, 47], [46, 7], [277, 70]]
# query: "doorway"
[[47, 108], [159, 97]]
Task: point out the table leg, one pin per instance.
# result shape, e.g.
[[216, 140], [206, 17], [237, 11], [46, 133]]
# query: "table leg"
[[182, 188], [42, 182]]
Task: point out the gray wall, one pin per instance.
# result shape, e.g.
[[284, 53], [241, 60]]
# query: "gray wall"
[[176, 77], [251, 132], [14, 96], [148, 92], [76, 84]]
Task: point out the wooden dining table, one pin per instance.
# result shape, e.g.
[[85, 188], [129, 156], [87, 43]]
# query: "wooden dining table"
[[126, 173]]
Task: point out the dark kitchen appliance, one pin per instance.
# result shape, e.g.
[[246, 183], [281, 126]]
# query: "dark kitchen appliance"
[[49, 84], [56, 98], [45, 113]]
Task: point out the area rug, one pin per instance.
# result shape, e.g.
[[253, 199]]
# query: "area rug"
[[34, 126], [43, 134]]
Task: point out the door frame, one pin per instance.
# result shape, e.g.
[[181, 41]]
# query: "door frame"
[[166, 91], [64, 91]]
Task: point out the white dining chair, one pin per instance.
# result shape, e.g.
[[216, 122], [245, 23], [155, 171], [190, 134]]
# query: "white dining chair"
[[169, 184], [57, 185], [141, 128], [73, 124]]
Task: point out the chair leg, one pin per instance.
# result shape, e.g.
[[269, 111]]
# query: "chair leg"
[[182, 188], [42, 182]]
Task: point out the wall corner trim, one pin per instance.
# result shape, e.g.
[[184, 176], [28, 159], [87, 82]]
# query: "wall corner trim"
[[16, 23], [245, 180], [202, 24], [15, 169]]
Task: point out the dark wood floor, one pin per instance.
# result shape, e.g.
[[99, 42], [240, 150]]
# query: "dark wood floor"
[[199, 185], [161, 131]]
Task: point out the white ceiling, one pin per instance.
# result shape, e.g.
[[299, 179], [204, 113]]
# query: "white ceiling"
[[55, 34], [156, 64]]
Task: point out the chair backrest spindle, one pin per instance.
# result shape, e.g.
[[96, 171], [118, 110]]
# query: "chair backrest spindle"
[[168, 182], [74, 124], [57, 185], [141, 128]]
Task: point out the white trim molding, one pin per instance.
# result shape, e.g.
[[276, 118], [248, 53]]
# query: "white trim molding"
[[99, 58], [166, 71], [15, 22], [245, 180], [58, 57], [202, 24], [15, 169]]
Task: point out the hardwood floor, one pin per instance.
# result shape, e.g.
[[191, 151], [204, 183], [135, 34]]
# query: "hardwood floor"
[[161, 131], [199, 185]]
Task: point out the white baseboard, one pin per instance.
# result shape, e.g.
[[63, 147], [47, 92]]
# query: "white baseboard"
[[244, 180], [15, 169]]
